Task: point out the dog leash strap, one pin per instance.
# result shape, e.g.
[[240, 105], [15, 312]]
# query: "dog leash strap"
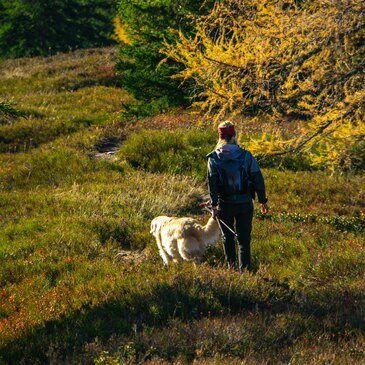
[[228, 227], [220, 227], [219, 223]]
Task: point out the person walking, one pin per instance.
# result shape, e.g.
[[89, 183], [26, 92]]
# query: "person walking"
[[234, 178]]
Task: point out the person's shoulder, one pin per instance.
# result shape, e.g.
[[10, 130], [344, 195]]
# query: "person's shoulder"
[[212, 154], [251, 161], [247, 153], [243, 153]]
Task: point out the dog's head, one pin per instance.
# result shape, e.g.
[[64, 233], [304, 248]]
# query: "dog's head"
[[157, 223]]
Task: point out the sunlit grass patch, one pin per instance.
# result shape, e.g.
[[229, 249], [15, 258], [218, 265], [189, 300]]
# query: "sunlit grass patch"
[[315, 192], [60, 115], [86, 102], [48, 109], [38, 72], [48, 167], [29, 133]]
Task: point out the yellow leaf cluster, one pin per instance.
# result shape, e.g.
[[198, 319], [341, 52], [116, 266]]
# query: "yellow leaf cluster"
[[120, 35]]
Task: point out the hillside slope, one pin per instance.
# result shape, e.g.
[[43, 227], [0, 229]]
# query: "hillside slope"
[[67, 209]]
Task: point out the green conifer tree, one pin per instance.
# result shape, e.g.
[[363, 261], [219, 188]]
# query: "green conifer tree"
[[44, 27], [148, 23]]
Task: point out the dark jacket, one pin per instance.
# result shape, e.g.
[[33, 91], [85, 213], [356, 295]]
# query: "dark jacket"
[[243, 159]]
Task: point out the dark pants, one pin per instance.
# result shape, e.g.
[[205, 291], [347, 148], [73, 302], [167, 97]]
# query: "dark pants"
[[241, 214]]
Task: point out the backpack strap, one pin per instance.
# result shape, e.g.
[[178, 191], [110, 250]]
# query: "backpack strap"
[[211, 154], [250, 185]]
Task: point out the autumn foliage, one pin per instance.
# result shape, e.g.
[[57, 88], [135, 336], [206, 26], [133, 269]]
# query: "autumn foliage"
[[280, 62]]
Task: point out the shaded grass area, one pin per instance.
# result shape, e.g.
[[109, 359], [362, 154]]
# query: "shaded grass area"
[[65, 215], [150, 314]]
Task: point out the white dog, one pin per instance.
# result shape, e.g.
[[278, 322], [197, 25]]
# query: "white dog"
[[183, 238]]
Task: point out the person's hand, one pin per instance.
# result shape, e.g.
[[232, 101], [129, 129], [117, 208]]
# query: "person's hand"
[[204, 204], [264, 208], [215, 212]]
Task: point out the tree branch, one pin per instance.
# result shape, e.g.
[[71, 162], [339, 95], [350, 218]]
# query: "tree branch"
[[316, 133], [300, 60]]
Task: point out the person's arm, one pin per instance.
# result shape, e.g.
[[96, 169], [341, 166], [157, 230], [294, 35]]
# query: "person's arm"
[[259, 185], [258, 182]]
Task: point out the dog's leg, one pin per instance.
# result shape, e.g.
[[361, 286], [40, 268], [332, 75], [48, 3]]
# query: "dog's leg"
[[162, 251], [164, 257]]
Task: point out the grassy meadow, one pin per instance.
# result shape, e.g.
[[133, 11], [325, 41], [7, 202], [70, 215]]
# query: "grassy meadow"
[[67, 208]]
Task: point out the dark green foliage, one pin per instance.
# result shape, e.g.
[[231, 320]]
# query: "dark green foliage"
[[8, 112], [148, 24], [357, 156], [141, 109], [29, 28]]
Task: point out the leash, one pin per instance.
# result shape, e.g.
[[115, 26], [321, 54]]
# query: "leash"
[[220, 227], [219, 221]]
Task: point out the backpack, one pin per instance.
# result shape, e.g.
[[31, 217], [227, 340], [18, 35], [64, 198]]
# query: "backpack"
[[233, 177]]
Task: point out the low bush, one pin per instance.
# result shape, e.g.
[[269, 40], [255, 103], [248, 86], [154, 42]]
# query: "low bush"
[[8, 112], [175, 152], [342, 223], [142, 109], [291, 161]]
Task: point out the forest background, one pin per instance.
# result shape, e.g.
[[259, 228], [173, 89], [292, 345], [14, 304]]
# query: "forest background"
[[89, 89]]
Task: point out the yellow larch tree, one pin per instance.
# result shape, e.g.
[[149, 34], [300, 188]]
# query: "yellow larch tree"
[[283, 61]]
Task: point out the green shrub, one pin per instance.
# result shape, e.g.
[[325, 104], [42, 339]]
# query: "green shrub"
[[141, 109], [8, 112], [176, 152], [341, 223], [290, 161]]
